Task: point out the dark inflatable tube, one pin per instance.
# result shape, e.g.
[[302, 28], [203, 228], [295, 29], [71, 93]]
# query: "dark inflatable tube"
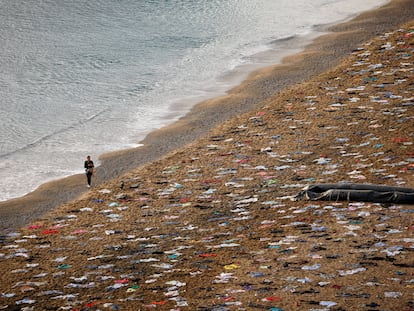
[[358, 192]]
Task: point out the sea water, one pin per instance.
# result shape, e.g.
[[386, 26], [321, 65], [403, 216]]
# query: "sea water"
[[88, 77]]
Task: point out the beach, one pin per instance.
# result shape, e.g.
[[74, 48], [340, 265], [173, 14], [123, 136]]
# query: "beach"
[[201, 217], [324, 53]]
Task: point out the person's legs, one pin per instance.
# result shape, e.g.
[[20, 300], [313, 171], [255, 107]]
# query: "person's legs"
[[89, 177]]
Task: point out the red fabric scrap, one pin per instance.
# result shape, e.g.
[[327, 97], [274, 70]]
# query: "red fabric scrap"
[[51, 231], [36, 226], [122, 281], [400, 140]]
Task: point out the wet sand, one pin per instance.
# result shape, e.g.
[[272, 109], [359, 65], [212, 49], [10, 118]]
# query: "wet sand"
[[324, 53], [203, 219]]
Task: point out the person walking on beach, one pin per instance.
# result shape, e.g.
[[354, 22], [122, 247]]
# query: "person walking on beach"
[[89, 166]]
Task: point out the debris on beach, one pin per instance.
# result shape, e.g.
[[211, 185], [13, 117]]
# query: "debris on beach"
[[209, 226], [357, 192]]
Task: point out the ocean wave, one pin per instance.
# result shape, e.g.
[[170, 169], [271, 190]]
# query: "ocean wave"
[[40, 140]]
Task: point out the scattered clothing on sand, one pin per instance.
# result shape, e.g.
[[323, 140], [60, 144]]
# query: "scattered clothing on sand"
[[207, 228]]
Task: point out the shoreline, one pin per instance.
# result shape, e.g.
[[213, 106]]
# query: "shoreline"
[[203, 117]]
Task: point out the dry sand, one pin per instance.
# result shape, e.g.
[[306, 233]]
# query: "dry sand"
[[209, 226]]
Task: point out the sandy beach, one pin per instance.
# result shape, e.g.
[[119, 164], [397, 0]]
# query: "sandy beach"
[[200, 218], [324, 53]]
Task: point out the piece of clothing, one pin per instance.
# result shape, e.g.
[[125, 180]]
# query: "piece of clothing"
[[89, 178]]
